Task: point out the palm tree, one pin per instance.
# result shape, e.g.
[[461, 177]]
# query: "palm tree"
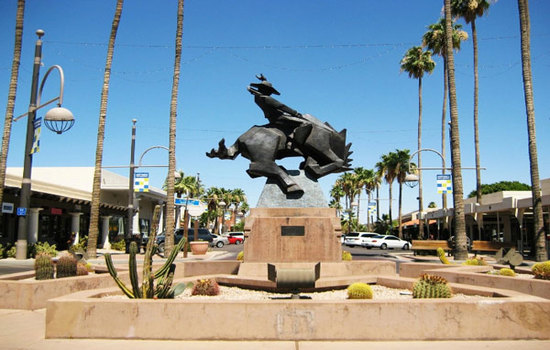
[[370, 182], [238, 198], [361, 177], [169, 243], [336, 194], [401, 170], [461, 249], [417, 62], [93, 230], [434, 40], [539, 238], [386, 167], [11, 93], [470, 10]]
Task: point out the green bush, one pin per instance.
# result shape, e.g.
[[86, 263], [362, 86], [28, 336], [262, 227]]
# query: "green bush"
[[11, 252], [80, 246], [542, 270], [120, 245], [44, 248], [359, 291], [346, 256]]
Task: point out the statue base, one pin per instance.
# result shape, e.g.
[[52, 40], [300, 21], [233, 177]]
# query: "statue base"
[[292, 235], [273, 197]]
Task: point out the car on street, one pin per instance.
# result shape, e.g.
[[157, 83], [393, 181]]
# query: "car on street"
[[387, 241], [357, 238], [235, 237], [203, 235], [219, 241]]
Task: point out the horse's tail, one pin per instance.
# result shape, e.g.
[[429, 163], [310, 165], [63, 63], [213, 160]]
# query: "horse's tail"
[[223, 152], [344, 150]]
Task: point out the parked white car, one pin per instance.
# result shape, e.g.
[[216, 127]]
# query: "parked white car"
[[387, 241], [357, 238]]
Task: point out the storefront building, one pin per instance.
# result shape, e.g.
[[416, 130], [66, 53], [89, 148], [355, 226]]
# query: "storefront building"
[[60, 204]]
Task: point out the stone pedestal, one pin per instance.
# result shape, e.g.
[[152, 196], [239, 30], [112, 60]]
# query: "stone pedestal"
[[292, 235]]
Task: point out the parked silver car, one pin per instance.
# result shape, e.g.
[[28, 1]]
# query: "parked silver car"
[[218, 241]]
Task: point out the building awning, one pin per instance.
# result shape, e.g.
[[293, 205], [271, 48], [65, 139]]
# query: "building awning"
[[415, 222]]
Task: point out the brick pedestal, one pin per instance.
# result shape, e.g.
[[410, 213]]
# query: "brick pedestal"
[[292, 235]]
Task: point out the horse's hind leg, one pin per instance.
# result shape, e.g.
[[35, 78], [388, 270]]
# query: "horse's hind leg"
[[272, 170]]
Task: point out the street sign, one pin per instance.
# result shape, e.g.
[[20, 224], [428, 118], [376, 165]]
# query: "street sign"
[[194, 206], [141, 182], [444, 184], [186, 201]]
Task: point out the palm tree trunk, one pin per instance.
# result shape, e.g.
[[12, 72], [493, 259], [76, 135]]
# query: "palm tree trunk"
[[169, 244], [11, 94], [476, 104], [93, 230], [420, 203], [400, 212], [539, 238], [444, 130], [461, 249], [390, 200]]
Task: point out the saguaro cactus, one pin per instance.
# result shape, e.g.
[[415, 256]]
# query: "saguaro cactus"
[[164, 275]]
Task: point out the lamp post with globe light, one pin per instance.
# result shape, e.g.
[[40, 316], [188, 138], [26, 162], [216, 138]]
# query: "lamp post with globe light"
[[57, 119]]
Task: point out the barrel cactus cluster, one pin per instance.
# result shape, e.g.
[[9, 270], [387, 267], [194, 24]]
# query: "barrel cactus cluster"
[[43, 267], [431, 286], [359, 291], [206, 286], [66, 266], [157, 285], [346, 256], [475, 261], [541, 270]]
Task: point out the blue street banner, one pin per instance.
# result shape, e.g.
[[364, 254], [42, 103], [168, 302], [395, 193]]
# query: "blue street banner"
[[141, 182], [36, 137], [444, 184]]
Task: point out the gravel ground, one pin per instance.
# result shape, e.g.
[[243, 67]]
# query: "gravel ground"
[[235, 293]]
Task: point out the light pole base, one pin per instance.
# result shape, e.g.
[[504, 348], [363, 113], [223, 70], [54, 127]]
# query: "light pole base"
[[21, 253]]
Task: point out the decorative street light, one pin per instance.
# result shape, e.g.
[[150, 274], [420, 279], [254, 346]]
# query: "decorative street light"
[[57, 119]]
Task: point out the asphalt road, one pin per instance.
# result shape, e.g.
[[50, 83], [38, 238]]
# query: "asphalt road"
[[8, 266]]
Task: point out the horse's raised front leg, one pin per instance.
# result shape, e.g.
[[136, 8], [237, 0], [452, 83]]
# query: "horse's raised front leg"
[[223, 152], [272, 170]]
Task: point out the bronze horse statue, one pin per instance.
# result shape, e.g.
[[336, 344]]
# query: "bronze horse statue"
[[288, 134]]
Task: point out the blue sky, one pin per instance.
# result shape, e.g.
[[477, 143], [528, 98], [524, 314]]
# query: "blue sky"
[[337, 60]]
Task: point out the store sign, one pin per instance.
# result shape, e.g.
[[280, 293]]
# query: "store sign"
[[21, 211], [7, 208], [56, 211]]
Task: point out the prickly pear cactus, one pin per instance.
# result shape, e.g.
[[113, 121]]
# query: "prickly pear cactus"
[[359, 291], [66, 266], [430, 286], [43, 266]]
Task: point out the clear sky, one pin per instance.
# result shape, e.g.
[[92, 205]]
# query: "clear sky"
[[337, 60]]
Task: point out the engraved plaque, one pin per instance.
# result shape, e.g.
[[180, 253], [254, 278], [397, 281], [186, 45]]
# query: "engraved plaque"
[[292, 231]]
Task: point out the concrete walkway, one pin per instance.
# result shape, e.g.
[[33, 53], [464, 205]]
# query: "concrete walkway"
[[24, 330]]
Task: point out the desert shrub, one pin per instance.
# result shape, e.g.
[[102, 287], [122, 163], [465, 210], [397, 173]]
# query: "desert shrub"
[[346, 256], [542, 270], [359, 291], [442, 257], [11, 252], [430, 286], [80, 246], [120, 245], [206, 287], [475, 261], [240, 256], [43, 248]]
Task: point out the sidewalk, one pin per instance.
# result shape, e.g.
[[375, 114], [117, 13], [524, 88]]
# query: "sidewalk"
[[24, 330]]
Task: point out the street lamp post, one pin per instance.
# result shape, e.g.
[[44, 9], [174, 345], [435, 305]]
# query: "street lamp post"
[[57, 119]]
